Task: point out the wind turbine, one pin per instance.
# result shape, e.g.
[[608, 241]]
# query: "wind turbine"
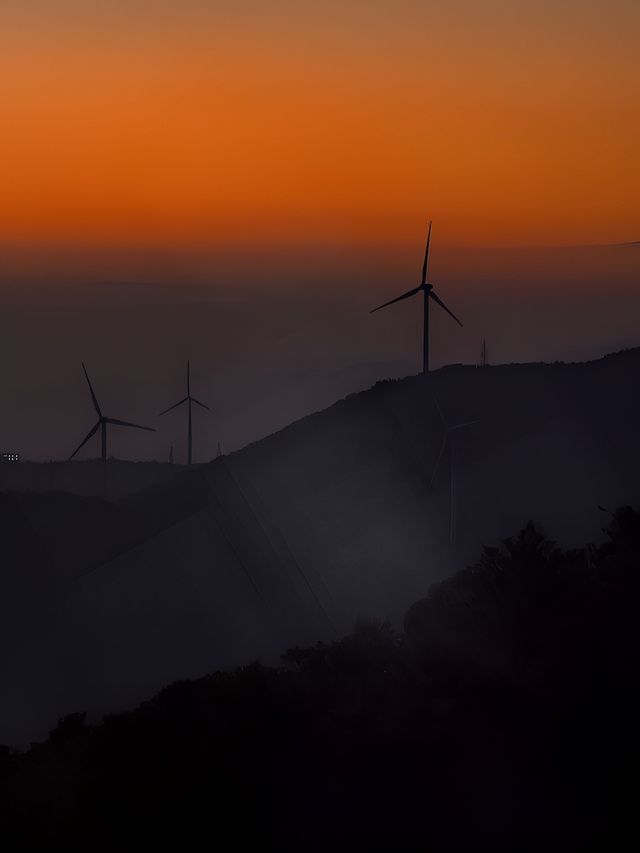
[[102, 423], [428, 293], [448, 438], [188, 400]]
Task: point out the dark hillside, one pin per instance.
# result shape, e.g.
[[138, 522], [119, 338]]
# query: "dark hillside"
[[85, 477], [298, 535], [505, 718]]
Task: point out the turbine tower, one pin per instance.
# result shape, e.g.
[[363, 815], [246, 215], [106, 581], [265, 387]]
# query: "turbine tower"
[[428, 293], [102, 424], [188, 400], [448, 438]]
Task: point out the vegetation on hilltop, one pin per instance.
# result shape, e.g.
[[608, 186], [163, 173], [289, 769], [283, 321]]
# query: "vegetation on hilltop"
[[504, 717]]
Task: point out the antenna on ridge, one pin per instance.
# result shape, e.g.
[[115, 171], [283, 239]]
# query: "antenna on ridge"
[[483, 354]]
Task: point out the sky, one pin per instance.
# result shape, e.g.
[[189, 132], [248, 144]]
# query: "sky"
[[240, 182], [291, 122]]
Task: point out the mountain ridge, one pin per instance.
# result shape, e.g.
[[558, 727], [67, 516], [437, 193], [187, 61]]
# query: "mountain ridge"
[[335, 517]]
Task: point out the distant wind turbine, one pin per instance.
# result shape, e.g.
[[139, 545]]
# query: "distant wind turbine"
[[188, 400], [448, 438], [483, 354], [428, 293], [103, 421]]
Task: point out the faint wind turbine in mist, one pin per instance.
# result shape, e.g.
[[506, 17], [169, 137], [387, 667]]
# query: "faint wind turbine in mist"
[[448, 438], [188, 400], [103, 422], [428, 293]]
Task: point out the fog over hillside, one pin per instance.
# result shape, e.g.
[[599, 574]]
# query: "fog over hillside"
[[275, 334], [298, 535]]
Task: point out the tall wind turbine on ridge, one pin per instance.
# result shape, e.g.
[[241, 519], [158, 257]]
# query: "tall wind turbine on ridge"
[[188, 400], [428, 293], [102, 424]]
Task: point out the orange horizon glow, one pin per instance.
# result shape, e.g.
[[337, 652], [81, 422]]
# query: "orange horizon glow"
[[517, 130]]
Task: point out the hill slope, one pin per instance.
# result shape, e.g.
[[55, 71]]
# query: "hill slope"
[[505, 717], [294, 537]]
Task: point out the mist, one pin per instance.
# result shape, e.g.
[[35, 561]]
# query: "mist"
[[274, 334]]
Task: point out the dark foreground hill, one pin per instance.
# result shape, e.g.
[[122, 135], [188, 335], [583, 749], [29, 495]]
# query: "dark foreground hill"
[[290, 540], [505, 718]]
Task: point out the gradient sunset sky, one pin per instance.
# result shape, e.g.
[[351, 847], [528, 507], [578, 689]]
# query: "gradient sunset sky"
[[178, 121]]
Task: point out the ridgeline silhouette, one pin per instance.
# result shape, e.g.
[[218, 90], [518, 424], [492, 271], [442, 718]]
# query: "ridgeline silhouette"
[[292, 539]]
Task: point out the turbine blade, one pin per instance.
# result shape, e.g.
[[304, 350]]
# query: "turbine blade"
[[93, 396], [188, 379], [128, 424], [398, 298], [465, 424], [175, 406], [437, 465], [437, 299], [201, 404], [443, 444], [89, 435], [425, 265], [442, 417]]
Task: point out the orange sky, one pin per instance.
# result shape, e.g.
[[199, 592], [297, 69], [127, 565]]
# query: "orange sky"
[[183, 120]]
